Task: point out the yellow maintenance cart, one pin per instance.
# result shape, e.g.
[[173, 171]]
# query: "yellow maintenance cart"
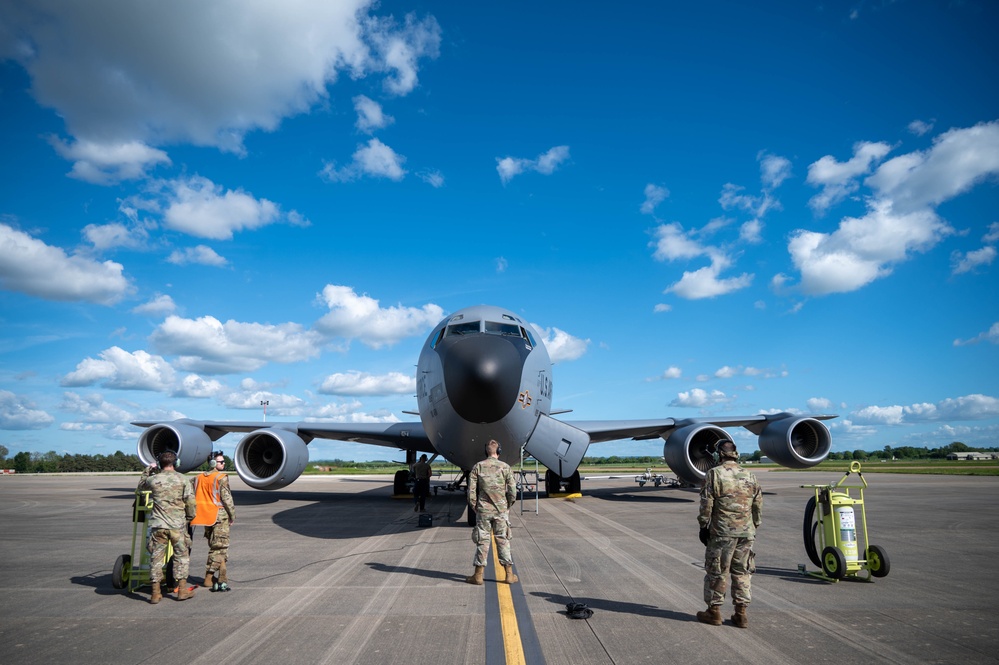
[[832, 516], [131, 571]]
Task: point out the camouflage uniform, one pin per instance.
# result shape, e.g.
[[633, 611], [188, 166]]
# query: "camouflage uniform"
[[491, 492], [421, 482], [217, 532], [731, 508], [173, 507]]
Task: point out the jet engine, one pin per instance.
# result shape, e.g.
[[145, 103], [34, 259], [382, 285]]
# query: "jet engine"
[[190, 443], [688, 450], [797, 443], [269, 459]]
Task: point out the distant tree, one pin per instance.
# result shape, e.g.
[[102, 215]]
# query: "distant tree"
[[3, 454], [860, 455], [22, 462]]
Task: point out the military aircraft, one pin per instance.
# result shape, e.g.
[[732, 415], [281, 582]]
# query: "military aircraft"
[[484, 374]]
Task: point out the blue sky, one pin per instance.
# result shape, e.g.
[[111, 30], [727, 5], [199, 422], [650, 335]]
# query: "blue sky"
[[707, 208]]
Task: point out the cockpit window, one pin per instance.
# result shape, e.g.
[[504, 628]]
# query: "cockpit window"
[[502, 328], [463, 328], [527, 333]]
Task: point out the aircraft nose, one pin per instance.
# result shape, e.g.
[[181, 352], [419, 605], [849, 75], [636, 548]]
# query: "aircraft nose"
[[482, 376]]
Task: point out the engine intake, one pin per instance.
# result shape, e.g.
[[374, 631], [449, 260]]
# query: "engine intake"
[[190, 443], [797, 443], [688, 450], [269, 459]]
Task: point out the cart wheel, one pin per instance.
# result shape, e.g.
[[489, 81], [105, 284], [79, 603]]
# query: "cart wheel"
[[122, 571], [809, 529], [877, 561], [833, 563]]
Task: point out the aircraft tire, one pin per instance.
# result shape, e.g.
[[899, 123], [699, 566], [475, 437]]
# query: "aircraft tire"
[[551, 482], [400, 483], [808, 530]]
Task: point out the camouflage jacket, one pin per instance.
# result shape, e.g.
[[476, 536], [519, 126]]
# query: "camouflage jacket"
[[173, 499], [731, 502], [491, 489]]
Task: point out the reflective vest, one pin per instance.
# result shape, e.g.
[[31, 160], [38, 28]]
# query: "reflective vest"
[[207, 492]]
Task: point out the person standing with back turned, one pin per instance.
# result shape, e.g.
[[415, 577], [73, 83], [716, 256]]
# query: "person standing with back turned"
[[491, 493], [731, 510], [173, 508], [421, 483], [216, 512]]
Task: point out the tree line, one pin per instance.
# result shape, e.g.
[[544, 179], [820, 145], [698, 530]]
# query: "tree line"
[[52, 462]]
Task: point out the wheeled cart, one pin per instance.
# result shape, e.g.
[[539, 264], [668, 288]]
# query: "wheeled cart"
[[131, 571]]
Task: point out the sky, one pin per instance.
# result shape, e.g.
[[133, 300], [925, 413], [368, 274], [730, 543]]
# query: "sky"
[[711, 208]]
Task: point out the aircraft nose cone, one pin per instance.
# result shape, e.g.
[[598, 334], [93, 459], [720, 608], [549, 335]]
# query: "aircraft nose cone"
[[482, 376]]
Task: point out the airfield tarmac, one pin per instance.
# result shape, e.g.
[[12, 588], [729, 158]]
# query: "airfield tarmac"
[[333, 570]]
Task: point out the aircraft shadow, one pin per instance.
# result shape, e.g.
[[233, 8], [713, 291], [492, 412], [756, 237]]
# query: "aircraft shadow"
[[606, 605], [633, 495]]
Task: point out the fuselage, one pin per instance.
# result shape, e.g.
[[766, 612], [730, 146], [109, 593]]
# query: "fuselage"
[[482, 374]]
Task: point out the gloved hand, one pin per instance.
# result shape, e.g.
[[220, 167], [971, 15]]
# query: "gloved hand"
[[704, 535]]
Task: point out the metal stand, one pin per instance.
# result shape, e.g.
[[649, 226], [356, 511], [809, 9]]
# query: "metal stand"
[[527, 482]]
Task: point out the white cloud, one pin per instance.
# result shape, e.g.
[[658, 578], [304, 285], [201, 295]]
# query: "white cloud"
[[993, 233], [277, 404], [30, 266], [17, 412], [654, 195], [209, 346], [672, 372], [969, 261], [501, 264], [546, 163], [374, 159], [751, 232], [561, 345], [672, 243], [819, 405], [93, 408], [158, 306], [990, 335], [100, 65], [432, 177], [362, 383], [109, 236], [122, 370], [706, 282], [774, 170], [662, 307], [699, 398], [863, 249], [196, 386], [200, 208], [919, 127], [370, 115], [201, 254], [840, 179], [968, 407], [109, 163], [360, 317]]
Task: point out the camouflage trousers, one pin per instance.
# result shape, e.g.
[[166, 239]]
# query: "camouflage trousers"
[[487, 526], [722, 557], [157, 546], [218, 543]]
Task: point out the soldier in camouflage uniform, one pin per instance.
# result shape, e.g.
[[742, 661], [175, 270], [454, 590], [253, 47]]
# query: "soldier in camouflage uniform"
[[216, 512], [491, 493], [731, 510], [173, 508]]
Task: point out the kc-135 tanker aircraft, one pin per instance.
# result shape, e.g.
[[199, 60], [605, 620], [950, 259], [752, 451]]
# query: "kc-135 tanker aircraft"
[[483, 374]]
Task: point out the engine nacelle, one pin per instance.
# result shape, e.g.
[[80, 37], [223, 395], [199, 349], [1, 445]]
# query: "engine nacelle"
[[269, 459], [190, 443], [688, 450], [797, 443]]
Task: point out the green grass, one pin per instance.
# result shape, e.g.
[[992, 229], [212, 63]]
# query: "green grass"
[[925, 466]]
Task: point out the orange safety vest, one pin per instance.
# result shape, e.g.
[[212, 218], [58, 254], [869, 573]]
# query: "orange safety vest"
[[207, 488]]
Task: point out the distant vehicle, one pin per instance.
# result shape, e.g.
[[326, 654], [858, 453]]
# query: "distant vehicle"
[[482, 374], [650, 477]]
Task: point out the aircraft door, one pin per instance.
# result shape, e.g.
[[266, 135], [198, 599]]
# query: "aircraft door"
[[558, 446]]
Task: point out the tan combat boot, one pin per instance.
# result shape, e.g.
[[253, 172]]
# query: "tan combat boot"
[[208, 579], [711, 616], [510, 577], [157, 595], [739, 618], [477, 577], [184, 591]]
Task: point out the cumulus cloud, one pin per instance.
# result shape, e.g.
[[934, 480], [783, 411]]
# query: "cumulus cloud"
[[920, 127], [17, 412], [654, 195], [661, 307], [968, 407], [208, 346], [362, 383], [699, 398], [561, 345], [990, 335], [374, 159], [160, 305], [673, 243], [121, 370], [109, 163], [360, 317], [93, 408], [100, 66], [370, 115], [201, 255], [774, 170], [30, 266], [196, 386], [110, 236], [819, 404], [432, 177], [840, 179], [963, 262], [546, 163], [672, 372]]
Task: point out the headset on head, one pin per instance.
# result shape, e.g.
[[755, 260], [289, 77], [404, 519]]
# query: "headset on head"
[[499, 449], [159, 456]]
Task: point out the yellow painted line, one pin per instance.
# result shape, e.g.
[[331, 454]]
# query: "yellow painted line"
[[512, 644]]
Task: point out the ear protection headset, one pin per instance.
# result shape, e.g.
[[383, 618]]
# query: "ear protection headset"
[[499, 449], [159, 457]]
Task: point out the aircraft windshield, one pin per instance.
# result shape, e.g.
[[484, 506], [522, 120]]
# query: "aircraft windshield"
[[502, 328], [463, 328]]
